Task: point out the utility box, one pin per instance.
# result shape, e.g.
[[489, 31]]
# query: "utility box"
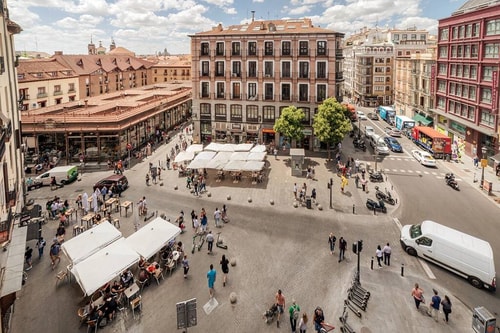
[[297, 161], [308, 202], [483, 321]]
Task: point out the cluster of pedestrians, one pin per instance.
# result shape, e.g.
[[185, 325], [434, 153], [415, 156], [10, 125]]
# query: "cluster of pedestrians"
[[436, 303]]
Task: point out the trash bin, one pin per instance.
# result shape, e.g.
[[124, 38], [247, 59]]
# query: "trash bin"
[[308, 202], [483, 321]]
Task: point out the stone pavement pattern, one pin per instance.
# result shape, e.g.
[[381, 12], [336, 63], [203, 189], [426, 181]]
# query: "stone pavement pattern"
[[275, 246]]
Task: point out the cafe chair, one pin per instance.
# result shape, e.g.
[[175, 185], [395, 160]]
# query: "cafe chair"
[[82, 314], [159, 275], [92, 326], [62, 275], [136, 305], [142, 284], [170, 266]]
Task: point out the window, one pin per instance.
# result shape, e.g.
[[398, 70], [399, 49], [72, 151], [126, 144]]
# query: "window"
[[205, 49], [472, 93], [321, 70], [268, 91], [485, 95], [286, 48], [235, 48], [205, 68], [320, 93], [423, 37], [441, 85], [487, 73], [286, 69], [467, 51], [461, 31], [321, 48], [491, 50], [413, 36], [268, 48], [237, 68], [454, 33], [466, 72], [303, 92], [236, 112], [443, 52], [252, 113], [268, 68], [204, 109], [473, 71], [285, 91], [487, 118], [71, 87], [220, 111], [473, 52], [440, 102], [252, 48], [468, 30], [219, 68], [442, 69], [493, 27], [252, 69], [404, 37], [252, 90], [307, 115], [41, 92], [303, 69], [303, 48], [219, 49], [220, 90], [268, 113], [57, 90], [236, 87], [475, 30]]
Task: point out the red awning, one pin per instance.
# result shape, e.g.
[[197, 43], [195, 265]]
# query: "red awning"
[[268, 130]]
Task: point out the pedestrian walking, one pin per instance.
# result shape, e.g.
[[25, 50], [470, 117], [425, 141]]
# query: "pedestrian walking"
[[331, 241], [211, 276], [418, 295], [356, 181], [280, 304], [356, 165], [204, 222], [196, 224], [303, 323], [476, 161], [387, 254], [295, 191], [313, 195], [434, 305], [379, 255], [40, 245], [446, 304], [342, 248], [275, 152], [294, 312], [193, 214], [55, 248], [210, 241], [217, 216], [185, 266], [224, 263], [27, 257]]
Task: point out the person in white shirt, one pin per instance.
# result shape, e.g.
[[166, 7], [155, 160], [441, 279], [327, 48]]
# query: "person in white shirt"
[[387, 254], [379, 255], [217, 215]]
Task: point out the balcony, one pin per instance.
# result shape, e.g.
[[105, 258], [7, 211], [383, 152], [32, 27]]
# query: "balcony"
[[252, 97], [71, 90], [205, 53], [268, 75], [321, 53], [269, 97], [286, 97], [236, 96], [220, 95], [41, 95], [339, 76], [237, 74], [3, 139], [24, 97], [286, 52], [339, 53], [57, 93], [219, 73]]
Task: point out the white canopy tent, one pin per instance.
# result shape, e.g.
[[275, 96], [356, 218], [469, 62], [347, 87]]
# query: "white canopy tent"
[[149, 240], [89, 242], [220, 147], [201, 160], [239, 156], [184, 156], [234, 166], [243, 147], [253, 166], [104, 265], [256, 156], [195, 148], [258, 149], [223, 156], [216, 164]]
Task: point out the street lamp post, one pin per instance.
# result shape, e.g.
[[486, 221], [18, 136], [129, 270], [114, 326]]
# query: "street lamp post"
[[484, 162]]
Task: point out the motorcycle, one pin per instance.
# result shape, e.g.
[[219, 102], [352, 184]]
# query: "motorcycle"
[[360, 144], [377, 206], [449, 178], [384, 196], [376, 177]]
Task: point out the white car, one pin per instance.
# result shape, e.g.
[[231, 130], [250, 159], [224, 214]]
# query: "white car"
[[424, 158], [369, 131], [361, 115], [392, 131]]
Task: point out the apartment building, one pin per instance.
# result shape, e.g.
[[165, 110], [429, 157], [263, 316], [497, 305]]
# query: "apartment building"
[[171, 68], [466, 85], [12, 199], [244, 75]]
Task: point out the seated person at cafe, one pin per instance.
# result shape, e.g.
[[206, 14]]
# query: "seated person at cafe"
[[152, 268], [143, 276], [127, 278], [180, 247], [109, 308], [143, 263], [117, 288], [97, 218], [106, 288]]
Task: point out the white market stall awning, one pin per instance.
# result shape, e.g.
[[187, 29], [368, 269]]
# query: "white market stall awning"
[[205, 155], [258, 149], [89, 242], [195, 148], [198, 164], [243, 147], [184, 156], [256, 156], [223, 156], [234, 166], [227, 147], [253, 166], [104, 265], [148, 240], [239, 156], [216, 164], [212, 146]]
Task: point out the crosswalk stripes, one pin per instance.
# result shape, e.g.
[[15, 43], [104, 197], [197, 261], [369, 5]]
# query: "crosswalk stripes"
[[438, 175]]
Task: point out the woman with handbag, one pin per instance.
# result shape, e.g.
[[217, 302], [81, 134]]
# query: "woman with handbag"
[[446, 303]]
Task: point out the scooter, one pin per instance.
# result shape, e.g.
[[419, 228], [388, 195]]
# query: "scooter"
[[360, 144], [220, 242], [376, 177], [449, 178], [377, 206], [387, 197]]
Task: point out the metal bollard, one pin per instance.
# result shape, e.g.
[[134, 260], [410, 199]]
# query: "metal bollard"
[[374, 211], [371, 264], [353, 208], [402, 269]]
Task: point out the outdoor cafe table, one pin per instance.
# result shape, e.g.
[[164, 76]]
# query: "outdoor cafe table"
[[69, 213], [110, 202], [126, 205], [131, 291], [87, 219]]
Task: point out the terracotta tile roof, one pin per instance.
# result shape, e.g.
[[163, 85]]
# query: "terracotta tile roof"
[[86, 64], [173, 61], [42, 69], [271, 27]]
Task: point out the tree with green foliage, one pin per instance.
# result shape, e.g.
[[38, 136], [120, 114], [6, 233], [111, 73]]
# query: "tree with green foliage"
[[290, 123], [330, 123]]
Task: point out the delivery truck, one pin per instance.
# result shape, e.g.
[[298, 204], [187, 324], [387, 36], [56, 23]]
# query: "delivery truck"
[[458, 252], [438, 144], [387, 113], [404, 122]]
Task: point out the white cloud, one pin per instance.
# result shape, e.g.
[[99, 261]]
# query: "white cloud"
[[219, 3], [299, 11], [230, 11]]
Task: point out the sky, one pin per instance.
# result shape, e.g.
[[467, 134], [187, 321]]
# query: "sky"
[[150, 26]]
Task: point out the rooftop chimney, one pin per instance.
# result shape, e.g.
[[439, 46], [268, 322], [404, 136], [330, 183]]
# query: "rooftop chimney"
[[253, 15]]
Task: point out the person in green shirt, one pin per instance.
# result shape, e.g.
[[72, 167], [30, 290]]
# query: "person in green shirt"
[[294, 312]]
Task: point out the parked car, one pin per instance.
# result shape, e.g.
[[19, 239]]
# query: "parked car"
[[393, 144], [424, 158], [369, 131], [372, 116], [112, 180], [361, 115], [392, 131]]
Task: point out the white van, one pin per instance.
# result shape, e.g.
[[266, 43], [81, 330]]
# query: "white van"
[[462, 254], [63, 174], [378, 144]]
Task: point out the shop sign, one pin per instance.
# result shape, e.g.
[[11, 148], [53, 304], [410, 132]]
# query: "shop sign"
[[307, 132], [441, 130], [458, 127]]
